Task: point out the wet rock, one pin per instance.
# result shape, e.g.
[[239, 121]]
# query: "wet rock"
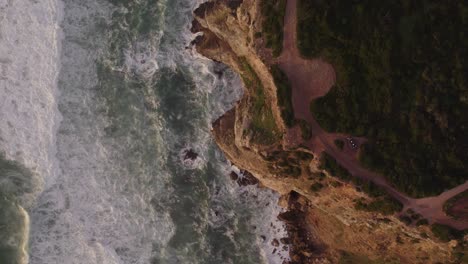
[[233, 4], [275, 242], [302, 247], [234, 176], [219, 70], [246, 179], [189, 154], [196, 26], [203, 9], [292, 216], [197, 40]]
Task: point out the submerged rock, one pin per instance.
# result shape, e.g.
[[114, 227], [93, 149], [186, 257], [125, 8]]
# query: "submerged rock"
[[275, 242], [246, 179], [190, 154], [234, 176]]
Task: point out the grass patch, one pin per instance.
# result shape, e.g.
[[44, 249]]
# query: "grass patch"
[[263, 126], [421, 222], [449, 204], [401, 82], [316, 187], [329, 164], [446, 233], [306, 130], [284, 95], [384, 205], [273, 12], [351, 258], [382, 202]]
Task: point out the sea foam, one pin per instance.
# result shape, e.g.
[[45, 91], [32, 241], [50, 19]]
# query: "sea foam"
[[29, 65]]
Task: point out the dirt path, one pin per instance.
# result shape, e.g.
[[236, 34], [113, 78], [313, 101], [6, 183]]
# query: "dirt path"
[[311, 79]]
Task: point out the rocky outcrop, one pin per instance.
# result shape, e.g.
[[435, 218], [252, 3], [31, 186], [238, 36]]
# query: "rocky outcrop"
[[306, 246], [322, 222]]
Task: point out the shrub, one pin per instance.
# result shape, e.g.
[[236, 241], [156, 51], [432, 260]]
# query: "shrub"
[[316, 187], [421, 222], [445, 233], [263, 126], [401, 83], [306, 130], [272, 27], [284, 95]]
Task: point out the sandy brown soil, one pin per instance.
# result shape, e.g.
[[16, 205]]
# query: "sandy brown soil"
[[311, 79]]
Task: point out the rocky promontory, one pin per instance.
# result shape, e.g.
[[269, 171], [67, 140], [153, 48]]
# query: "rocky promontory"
[[321, 218]]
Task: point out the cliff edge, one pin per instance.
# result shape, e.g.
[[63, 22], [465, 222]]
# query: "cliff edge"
[[323, 222]]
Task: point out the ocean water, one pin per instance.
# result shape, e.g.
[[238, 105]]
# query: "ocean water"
[[100, 100]]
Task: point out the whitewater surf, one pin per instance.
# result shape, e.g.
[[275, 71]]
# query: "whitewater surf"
[[100, 103]]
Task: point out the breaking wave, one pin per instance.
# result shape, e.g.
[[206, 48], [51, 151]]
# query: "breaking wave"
[[99, 151]]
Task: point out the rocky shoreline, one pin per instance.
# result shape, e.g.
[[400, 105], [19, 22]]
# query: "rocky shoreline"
[[322, 222]]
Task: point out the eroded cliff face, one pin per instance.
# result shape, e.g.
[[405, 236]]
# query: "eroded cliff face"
[[322, 221]]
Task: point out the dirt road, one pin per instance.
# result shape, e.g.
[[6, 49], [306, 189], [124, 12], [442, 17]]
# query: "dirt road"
[[311, 79]]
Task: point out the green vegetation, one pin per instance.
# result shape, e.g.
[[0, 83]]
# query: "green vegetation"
[[406, 219], [336, 184], [450, 203], [273, 20], [401, 82], [382, 202], [422, 222], [462, 256], [305, 156], [288, 163], [263, 125], [320, 176], [460, 252], [339, 143], [351, 258], [306, 130], [384, 205], [411, 215], [316, 187], [446, 233], [284, 94], [329, 164]]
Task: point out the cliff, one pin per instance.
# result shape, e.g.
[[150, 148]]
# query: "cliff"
[[322, 221]]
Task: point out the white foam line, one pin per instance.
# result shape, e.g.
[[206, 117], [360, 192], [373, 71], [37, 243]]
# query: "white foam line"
[[29, 66], [25, 236], [30, 39]]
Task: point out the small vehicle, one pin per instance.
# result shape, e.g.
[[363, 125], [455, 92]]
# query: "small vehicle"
[[352, 142]]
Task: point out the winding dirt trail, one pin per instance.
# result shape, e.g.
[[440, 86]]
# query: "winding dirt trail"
[[311, 79]]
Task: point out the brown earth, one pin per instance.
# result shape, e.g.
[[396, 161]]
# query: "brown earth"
[[326, 225], [311, 79]]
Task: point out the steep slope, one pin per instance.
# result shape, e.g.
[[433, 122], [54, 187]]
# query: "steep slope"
[[323, 223]]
